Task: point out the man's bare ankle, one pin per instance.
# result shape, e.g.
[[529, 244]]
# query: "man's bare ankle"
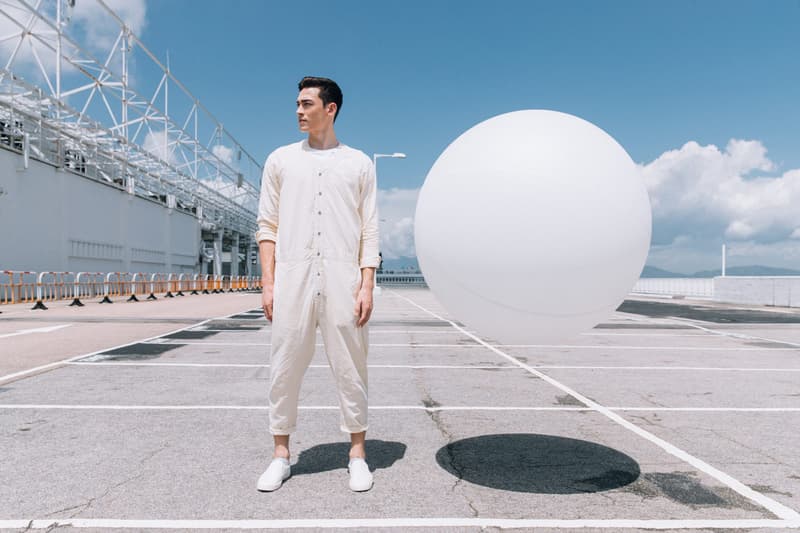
[[357, 454]]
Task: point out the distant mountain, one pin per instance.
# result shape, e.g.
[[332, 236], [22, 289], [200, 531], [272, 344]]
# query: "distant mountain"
[[752, 270], [655, 272]]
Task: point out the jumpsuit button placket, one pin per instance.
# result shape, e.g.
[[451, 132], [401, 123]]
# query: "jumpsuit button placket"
[[319, 254]]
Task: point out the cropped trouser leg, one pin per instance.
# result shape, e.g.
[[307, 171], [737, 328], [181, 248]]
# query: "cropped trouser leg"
[[292, 348], [346, 346]]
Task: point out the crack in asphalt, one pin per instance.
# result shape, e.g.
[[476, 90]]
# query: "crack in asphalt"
[[88, 503], [428, 401]]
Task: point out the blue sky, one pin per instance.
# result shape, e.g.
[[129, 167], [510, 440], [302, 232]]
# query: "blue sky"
[[703, 94], [416, 74]]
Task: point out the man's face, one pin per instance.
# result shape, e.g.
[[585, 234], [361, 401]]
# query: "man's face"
[[312, 116]]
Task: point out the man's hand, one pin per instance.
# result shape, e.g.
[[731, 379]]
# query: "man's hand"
[[266, 300], [363, 308]]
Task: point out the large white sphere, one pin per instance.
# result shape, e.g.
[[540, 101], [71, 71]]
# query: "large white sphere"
[[532, 226]]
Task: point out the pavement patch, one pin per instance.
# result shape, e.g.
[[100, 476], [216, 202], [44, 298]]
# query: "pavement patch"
[[772, 344], [248, 316], [232, 325], [616, 325], [189, 334], [566, 399], [770, 490], [719, 315], [136, 351], [685, 488]]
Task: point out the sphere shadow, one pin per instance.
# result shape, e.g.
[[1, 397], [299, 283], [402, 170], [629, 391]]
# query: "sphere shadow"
[[333, 456], [542, 464]]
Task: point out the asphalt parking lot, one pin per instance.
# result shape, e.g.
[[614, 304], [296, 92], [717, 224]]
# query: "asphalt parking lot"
[[670, 415]]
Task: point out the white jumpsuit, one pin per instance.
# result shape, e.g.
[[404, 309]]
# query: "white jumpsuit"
[[319, 206]]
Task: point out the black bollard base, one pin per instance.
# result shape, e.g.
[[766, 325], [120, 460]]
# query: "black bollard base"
[[179, 293], [76, 302], [152, 297], [106, 300], [133, 298], [169, 295], [39, 305]]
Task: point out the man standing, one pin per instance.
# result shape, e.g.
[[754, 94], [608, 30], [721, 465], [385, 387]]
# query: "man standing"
[[318, 242]]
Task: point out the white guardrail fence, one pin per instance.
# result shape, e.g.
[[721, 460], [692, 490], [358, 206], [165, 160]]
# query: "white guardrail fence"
[[688, 287]]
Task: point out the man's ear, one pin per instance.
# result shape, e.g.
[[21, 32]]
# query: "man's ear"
[[332, 108]]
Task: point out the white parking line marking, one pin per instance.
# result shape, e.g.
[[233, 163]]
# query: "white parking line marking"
[[694, 335], [678, 368], [778, 509], [352, 523], [84, 407], [731, 334], [47, 329], [666, 348], [182, 342], [252, 330], [70, 359], [712, 409], [455, 367], [477, 345], [371, 331], [246, 365]]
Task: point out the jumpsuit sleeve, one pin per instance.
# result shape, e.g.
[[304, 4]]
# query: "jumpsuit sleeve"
[[268, 202], [368, 211]]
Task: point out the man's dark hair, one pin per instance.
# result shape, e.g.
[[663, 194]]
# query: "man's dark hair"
[[329, 91]]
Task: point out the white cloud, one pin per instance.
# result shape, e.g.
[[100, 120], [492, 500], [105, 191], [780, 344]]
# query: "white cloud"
[[154, 142], [788, 250], [88, 23], [224, 153], [25, 60], [396, 209], [739, 230], [397, 239], [100, 27], [703, 196]]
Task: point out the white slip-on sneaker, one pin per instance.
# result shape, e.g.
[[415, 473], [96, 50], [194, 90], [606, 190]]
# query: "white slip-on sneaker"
[[360, 476], [276, 473]]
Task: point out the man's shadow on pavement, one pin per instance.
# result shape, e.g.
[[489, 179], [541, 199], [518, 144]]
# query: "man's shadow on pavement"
[[333, 456], [542, 464]]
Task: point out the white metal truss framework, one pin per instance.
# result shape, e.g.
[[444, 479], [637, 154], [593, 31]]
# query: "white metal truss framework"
[[72, 105]]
